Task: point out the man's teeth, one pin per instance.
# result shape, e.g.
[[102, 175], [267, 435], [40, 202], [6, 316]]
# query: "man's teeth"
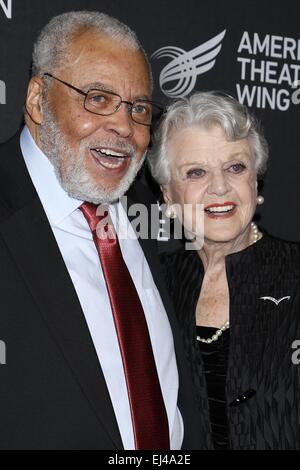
[[111, 153], [220, 209], [110, 158], [117, 163]]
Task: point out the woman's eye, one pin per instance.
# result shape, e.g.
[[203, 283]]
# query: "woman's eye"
[[237, 168], [195, 173]]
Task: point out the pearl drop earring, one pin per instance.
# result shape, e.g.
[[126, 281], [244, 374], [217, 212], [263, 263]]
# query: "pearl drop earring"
[[260, 200], [170, 212]]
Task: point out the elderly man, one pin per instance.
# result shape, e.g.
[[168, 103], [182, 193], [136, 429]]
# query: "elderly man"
[[90, 360]]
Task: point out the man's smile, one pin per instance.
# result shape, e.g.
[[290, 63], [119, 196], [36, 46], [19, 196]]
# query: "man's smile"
[[111, 159]]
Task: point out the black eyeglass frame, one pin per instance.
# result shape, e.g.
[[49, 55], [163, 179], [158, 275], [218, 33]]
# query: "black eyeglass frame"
[[129, 104]]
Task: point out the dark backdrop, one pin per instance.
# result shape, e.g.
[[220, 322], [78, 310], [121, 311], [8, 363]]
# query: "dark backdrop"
[[259, 54]]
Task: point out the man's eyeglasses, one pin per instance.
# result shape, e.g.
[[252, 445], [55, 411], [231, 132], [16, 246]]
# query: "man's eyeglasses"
[[105, 103]]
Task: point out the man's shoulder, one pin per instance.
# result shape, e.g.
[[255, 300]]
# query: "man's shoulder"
[[8, 151], [12, 144], [140, 192], [16, 188]]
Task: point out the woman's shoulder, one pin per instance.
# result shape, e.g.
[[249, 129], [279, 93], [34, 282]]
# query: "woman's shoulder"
[[280, 246], [278, 255]]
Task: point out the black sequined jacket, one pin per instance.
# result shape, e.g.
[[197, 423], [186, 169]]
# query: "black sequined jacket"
[[263, 375]]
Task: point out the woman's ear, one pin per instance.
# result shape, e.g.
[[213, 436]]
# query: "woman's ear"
[[34, 100], [166, 195]]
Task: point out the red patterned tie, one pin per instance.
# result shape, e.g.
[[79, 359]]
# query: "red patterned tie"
[[149, 417]]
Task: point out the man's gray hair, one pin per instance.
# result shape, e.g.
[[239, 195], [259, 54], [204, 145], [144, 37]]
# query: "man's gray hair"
[[205, 109], [51, 48]]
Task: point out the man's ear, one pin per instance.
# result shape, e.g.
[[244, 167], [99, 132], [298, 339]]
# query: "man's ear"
[[34, 100]]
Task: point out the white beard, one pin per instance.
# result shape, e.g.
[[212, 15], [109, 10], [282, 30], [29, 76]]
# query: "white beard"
[[70, 169]]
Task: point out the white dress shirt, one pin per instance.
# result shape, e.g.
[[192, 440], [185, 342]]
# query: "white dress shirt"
[[76, 245]]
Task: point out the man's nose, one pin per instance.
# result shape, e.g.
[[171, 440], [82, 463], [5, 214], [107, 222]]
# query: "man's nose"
[[120, 122], [218, 183]]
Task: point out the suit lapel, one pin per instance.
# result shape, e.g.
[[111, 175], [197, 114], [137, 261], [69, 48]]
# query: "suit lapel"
[[30, 240]]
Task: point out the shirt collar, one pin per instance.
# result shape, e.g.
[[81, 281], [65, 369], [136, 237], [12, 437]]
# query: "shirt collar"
[[55, 200]]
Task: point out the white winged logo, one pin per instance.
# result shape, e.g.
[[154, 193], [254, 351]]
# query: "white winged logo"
[[277, 302], [187, 65]]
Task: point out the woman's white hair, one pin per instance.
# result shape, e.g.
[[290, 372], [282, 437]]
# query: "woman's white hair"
[[205, 109], [51, 48]]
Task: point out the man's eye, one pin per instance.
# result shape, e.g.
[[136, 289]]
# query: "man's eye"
[[97, 98], [141, 108], [195, 173], [237, 168]]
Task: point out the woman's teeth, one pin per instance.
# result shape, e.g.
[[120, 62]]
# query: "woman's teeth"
[[219, 209]]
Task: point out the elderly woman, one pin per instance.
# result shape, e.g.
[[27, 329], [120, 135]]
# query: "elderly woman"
[[238, 295]]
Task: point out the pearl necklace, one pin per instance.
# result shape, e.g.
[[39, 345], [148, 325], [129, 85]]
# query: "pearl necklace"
[[216, 336], [256, 235]]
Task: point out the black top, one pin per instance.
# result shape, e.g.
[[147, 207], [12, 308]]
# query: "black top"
[[262, 389], [215, 358]]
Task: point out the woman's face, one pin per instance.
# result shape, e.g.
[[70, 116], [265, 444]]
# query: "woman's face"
[[208, 169]]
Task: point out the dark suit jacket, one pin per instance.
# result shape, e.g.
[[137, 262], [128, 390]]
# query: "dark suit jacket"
[[262, 355], [52, 390]]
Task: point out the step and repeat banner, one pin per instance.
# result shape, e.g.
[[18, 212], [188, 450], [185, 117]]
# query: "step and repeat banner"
[[249, 49]]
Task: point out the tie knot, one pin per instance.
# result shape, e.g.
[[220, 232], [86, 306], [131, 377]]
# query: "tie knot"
[[99, 221], [93, 213]]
